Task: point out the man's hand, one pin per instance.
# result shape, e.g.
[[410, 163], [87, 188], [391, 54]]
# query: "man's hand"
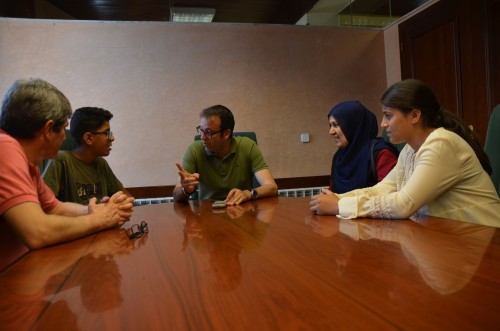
[[116, 211], [237, 196], [188, 181]]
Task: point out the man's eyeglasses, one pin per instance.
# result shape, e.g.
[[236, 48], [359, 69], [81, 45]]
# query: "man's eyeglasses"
[[108, 133], [208, 133], [138, 230]]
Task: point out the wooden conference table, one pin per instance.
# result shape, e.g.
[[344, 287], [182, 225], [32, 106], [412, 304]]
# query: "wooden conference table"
[[265, 265]]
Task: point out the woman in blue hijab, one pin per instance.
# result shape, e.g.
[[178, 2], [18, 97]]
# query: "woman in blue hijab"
[[362, 159]]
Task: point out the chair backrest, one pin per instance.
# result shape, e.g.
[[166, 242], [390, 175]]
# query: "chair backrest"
[[249, 134], [67, 145], [492, 146], [399, 147]]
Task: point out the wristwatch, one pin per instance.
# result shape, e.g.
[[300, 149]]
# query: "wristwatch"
[[255, 194]]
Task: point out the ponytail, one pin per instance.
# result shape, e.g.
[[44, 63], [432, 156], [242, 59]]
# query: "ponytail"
[[452, 122]]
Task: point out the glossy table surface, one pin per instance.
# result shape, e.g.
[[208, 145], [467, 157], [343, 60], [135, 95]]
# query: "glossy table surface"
[[264, 265]]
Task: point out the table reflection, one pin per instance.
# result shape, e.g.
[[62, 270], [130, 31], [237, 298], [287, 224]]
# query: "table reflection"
[[99, 270], [32, 283], [447, 254], [228, 233]]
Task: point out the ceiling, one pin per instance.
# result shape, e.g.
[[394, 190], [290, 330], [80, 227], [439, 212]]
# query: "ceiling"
[[232, 11], [240, 11]]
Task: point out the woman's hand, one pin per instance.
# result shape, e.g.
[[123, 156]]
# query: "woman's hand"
[[325, 203]]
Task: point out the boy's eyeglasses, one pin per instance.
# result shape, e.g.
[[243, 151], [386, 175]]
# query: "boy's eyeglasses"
[[108, 133]]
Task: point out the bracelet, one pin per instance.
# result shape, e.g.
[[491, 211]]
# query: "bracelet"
[[185, 193]]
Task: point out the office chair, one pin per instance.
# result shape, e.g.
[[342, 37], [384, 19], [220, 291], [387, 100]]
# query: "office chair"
[[399, 147], [248, 134], [492, 146], [67, 145]]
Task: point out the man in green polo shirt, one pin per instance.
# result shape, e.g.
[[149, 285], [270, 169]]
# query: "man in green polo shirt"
[[222, 167]]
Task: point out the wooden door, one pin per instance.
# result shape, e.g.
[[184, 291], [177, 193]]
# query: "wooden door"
[[493, 26], [445, 46]]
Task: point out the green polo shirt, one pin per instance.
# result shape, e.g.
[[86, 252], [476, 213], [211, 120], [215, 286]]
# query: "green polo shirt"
[[73, 180], [219, 176]]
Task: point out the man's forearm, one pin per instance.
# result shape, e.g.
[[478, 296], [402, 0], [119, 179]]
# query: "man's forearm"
[[267, 190], [70, 209], [180, 195]]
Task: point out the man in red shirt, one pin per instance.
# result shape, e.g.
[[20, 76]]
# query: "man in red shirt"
[[33, 118]]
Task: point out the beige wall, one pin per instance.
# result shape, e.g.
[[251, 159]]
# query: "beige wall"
[[156, 77]]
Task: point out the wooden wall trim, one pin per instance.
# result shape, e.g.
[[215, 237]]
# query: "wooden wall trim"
[[151, 191], [283, 183], [300, 182], [446, 46]]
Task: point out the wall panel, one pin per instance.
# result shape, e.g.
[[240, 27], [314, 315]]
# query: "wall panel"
[[156, 77]]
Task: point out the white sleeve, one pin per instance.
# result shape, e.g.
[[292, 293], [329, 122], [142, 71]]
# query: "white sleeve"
[[436, 168]]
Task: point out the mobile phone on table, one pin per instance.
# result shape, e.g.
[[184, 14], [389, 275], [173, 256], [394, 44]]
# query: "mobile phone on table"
[[219, 204]]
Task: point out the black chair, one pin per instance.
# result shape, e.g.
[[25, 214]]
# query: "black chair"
[[399, 147], [249, 134], [67, 145]]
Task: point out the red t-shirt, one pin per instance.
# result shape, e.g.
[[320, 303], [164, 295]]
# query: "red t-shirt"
[[20, 182], [386, 160]]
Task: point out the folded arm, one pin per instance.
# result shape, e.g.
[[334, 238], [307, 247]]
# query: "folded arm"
[[38, 229]]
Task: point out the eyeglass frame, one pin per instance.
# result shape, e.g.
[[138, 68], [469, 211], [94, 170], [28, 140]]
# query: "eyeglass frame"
[[208, 134], [108, 133], [142, 229]]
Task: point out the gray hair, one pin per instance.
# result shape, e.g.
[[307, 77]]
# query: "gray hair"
[[29, 104]]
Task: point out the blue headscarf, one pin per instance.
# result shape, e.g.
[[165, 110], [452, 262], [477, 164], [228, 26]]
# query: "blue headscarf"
[[359, 125]]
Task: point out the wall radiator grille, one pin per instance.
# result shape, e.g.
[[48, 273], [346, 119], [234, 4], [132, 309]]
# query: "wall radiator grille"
[[300, 192], [152, 201], [290, 193]]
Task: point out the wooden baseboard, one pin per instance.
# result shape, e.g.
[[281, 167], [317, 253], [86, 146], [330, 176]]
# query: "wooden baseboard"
[[302, 182], [151, 191], [283, 183]]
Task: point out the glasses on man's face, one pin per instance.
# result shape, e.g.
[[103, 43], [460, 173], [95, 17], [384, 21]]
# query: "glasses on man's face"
[[208, 133], [108, 133], [138, 230]]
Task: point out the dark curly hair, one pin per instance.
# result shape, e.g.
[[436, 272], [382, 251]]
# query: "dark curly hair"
[[87, 119]]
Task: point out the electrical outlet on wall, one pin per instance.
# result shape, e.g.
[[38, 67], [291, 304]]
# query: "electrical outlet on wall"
[[304, 137]]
